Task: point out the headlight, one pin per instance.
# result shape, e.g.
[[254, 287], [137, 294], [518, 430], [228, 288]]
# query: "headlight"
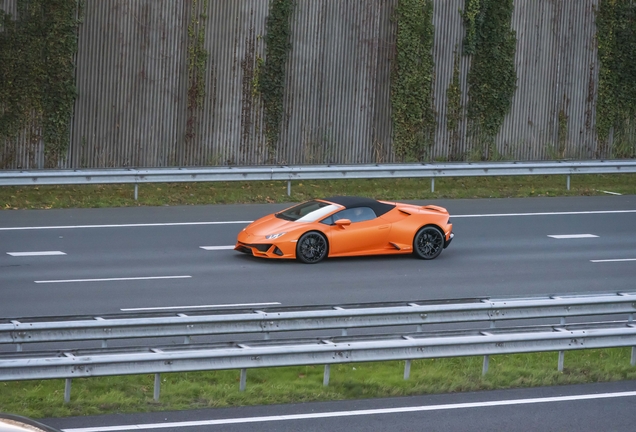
[[274, 236]]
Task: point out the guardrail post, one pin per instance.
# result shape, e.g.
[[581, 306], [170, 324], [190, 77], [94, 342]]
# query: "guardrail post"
[[157, 386], [432, 184], [568, 182], [407, 369], [484, 368], [288, 187], [325, 376], [633, 362], [561, 357], [67, 390], [243, 380], [136, 191]]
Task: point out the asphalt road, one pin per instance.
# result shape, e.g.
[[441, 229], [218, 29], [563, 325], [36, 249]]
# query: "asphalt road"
[[510, 253], [580, 408]]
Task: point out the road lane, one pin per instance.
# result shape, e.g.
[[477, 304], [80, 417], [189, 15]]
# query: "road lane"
[[495, 256], [581, 408]]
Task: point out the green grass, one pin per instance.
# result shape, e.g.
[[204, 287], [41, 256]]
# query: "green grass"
[[45, 197], [304, 384]]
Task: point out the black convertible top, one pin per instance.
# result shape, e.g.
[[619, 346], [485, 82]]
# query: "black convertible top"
[[355, 201]]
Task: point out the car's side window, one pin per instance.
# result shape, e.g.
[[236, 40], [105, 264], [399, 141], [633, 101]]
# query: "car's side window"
[[357, 214]]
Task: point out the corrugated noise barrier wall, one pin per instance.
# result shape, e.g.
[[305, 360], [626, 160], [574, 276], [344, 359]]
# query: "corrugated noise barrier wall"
[[180, 83]]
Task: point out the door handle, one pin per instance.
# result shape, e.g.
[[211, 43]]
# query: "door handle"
[[383, 227]]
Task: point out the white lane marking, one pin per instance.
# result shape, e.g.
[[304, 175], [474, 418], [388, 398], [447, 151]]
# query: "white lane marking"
[[200, 306], [543, 213], [113, 279], [613, 260], [41, 253], [611, 193], [249, 221], [572, 236], [123, 225], [353, 413], [213, 248]]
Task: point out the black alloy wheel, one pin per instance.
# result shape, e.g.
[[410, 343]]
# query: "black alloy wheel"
[[311, 248], [428, 243]]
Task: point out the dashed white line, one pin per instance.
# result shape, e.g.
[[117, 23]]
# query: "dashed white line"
[[213, 248], [112, 279], [314, 415], [41, 253], [613, 260], [572, 236], [229, 305]]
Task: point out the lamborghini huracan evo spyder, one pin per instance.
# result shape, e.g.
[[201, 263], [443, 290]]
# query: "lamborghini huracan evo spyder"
[[348, 226]]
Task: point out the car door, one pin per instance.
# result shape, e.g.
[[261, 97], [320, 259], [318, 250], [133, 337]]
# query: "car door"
[[366, 233]]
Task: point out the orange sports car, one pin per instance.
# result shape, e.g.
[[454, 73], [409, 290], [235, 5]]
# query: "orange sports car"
[[348, 226]]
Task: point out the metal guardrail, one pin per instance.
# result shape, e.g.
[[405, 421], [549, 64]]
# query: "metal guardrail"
[[21, 331], [272, 353], [562, 337], [312, 172]]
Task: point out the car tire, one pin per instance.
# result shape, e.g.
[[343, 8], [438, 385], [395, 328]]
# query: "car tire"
[[428, 243], [311, 248]]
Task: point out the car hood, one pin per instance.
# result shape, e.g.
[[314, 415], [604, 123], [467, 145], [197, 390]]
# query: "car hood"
[[271, 225]]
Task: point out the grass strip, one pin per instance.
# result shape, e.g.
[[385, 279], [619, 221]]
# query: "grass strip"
[[194, 390], [161, 194]]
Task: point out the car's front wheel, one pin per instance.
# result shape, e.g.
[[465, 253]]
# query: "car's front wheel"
[[428, 243], [311, 247]]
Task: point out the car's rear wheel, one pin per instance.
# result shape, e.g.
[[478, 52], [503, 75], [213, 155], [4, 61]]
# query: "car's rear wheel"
[[311, 248], [428, 243]]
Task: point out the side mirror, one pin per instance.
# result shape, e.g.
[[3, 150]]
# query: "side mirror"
[[343, 222]]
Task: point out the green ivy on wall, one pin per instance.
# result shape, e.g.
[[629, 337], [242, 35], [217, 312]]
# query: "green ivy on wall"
[[616, 107], [37, 83], [492, 79], [271, 76], [197, 61], [413, 113], [454, 109]]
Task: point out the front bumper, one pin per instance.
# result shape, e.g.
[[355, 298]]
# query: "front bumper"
[[263, 250], [450, 239], [259, 246]]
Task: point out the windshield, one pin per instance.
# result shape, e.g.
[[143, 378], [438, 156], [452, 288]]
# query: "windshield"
[[309, 211]]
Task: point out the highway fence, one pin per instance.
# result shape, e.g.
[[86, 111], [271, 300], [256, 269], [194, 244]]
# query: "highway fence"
[[432, 342], [312, 172]]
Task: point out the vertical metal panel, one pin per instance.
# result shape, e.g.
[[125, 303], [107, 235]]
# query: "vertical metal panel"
[[449, 34], [557, 70], [131, 84], [232, 130], [332, 82], [133, 78]]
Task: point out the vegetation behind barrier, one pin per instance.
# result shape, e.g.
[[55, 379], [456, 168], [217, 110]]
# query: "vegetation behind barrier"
[[37, 73], [397, 53], [616, 109], [414, 120]]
